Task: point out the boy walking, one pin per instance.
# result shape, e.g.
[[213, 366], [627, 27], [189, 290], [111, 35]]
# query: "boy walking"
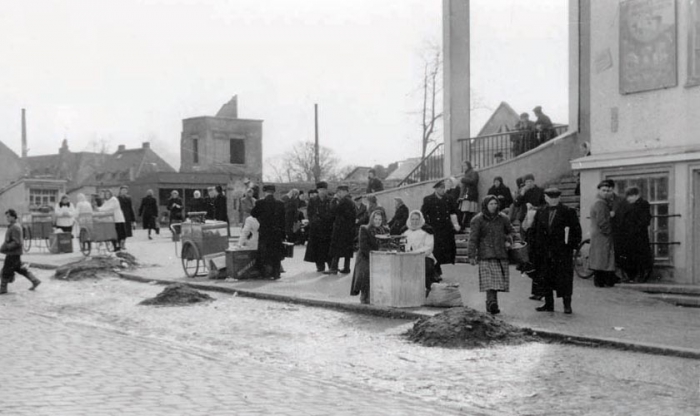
[[12, 249]]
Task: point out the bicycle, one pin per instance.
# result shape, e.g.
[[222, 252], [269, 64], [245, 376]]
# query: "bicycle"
[[582, 263]]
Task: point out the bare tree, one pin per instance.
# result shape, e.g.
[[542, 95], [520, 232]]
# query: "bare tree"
[[297, 164], [430, 112]]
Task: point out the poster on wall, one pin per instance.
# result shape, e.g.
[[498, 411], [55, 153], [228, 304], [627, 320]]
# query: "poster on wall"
[[648, 59]]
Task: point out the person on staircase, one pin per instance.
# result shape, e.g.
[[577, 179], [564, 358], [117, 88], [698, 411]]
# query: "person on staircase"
[[439, 212], [502, 192], [12, 249], [555, 234], [490, 236], [398, 221], [469, 197]]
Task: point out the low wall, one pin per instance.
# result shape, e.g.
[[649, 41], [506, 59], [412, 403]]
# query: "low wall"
[[548, 163]]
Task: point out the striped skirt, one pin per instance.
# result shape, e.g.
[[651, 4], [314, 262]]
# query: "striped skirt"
[[494, 275], [469, 206]]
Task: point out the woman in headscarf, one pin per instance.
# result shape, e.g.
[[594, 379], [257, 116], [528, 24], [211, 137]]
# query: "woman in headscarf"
[[148, 211], [111, 204], [368, 243], [65, 215], [491, 234], [197, 203], [83, 206], [469, 197], [419, 238], [398, 222], [502, 192]]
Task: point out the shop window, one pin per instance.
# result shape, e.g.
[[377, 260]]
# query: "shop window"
[[237, 148], [693, 44], [654, 188], [39, 198]]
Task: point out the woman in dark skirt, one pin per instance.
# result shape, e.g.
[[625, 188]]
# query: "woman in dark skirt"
[[148, 211], [368, 243], [128, 211]]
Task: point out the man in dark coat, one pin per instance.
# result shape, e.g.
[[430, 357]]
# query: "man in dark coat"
[[373, 183], [440, 213], [524, 140], [555, 234], [343, 211], [209, 202], [320, 228], [148, 211], [544, 129], [291, 214], [127, 209], [270, 214], [220, 207], [530, 197], [636, 258]]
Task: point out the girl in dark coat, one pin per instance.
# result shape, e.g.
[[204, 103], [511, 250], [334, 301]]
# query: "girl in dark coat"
[[502, 192], [148, 211], [368, 243], [636, 258]]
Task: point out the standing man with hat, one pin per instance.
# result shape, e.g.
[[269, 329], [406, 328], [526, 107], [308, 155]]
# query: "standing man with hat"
[[320, 228], [440, 213], [602, 252], [544, 129], [270, 214], [555, 234], [343, 235]]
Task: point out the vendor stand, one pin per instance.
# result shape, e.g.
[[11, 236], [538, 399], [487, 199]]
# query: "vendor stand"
[[200, 239], [36, 226], [97, 227], [397, 278]]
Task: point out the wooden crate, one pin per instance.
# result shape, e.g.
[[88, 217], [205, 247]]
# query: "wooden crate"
[[240, 264], [397, 279]]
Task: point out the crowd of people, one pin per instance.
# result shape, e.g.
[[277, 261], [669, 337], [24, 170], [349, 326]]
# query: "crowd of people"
[[532, 133]]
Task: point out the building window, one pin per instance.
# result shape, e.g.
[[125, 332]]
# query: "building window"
[[237, 151], [654, 188], [694, 44], [42, 198], [195, 150]]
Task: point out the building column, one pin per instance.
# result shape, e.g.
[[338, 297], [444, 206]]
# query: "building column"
[[456, 95]]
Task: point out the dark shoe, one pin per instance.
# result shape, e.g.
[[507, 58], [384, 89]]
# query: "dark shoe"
[[536, 297], [345, 271], [545, 308], [567, 305], [150, 238], [35, 283], [3, 289], [568, 310], [320, 270], [493, 309], [330, 272]]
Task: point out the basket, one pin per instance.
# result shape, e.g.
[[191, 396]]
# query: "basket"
[[518, 253]]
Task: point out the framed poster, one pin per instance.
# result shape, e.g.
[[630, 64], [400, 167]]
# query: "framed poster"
[[648, 57]]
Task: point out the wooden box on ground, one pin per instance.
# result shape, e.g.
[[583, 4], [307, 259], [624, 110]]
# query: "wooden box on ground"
[[240, 263], [60, 243], [397, 279], [103, 228]]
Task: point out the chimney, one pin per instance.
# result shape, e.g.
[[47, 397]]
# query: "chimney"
[[146, 145], [121, 148], [24, 134]]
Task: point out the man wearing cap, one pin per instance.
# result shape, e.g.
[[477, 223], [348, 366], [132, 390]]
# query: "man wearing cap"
[[522, 142], [440, 212], [602, 252], [555, 234], [320, 228], [544, 129], [270, 214], [529, 198], [343, 236], [373, 183]]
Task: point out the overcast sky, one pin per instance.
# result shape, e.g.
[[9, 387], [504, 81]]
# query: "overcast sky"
[[129, 71]]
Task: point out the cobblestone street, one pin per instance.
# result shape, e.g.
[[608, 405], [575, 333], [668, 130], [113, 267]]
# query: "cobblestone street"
[[86, 347]]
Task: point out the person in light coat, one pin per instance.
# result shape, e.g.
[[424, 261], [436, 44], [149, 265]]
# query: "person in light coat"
[[602, 252], [111, 204], [65, 215], [419, 239], [249, 234]]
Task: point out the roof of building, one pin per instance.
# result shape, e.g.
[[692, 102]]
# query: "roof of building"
[[405, 167], [230, 109], [358, 174], [129, 164], [501, 121], [184, 178]]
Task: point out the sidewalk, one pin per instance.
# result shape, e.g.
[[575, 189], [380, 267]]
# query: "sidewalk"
[[615, 316]]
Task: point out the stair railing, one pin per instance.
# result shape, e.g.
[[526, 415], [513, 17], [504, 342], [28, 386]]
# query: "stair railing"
[[431, 167]]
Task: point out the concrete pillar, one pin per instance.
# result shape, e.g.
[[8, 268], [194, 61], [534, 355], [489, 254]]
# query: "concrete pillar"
[[455, 35]]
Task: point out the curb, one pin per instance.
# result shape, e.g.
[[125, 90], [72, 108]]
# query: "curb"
[[386, 312]]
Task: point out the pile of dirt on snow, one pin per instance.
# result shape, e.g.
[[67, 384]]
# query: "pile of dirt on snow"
[[177, 294], [465, 328], [92, 267]]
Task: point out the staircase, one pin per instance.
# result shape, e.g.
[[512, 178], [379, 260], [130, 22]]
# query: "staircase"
[[461, 240], [567, 186]]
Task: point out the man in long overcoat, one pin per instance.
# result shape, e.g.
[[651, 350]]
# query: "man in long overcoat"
[[270, 214], [602, 252], [343, 211], [320, 228], [440, 213], [555, 234]]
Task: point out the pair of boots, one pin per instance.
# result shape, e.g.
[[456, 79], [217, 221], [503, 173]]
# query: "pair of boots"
[[29, 275], [333, 269], [548, 305]]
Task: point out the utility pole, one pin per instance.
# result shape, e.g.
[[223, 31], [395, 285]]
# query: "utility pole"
[[317, 167]]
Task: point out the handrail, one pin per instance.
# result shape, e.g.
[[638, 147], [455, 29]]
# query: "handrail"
[[423, 163]]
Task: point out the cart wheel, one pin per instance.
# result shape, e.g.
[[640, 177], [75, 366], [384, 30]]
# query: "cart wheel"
[[27, 236], [190, 259], [582, 261], [85, 243]]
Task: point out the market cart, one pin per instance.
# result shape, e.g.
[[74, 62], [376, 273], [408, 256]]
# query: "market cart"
[[200, 239], [36, 227], [98, 228]]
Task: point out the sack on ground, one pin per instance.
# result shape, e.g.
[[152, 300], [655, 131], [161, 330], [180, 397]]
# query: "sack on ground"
[[444, 295]]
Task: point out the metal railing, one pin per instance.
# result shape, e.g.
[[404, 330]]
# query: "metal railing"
[[484, 151], [430, 168]]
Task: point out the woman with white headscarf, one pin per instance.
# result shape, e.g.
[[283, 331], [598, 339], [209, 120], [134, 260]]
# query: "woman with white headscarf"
[[419, 238]]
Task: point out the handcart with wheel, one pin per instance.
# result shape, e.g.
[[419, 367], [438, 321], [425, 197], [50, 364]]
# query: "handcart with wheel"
[[97, 228], [200, 239], [36, 227]]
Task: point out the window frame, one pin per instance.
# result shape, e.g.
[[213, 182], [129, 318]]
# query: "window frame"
[[195, 149], [240, 160], [693, 64]]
